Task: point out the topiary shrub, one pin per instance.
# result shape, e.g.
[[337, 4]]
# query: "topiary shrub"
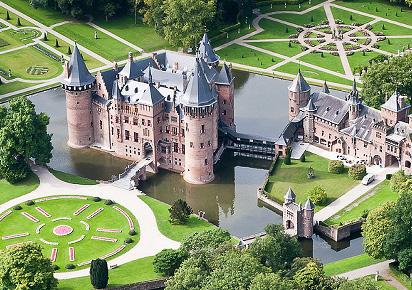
[[287, 160], [17, 207], [96, 199], [318, 195], [18, 22], [29, 202], [132, 233], [303, 158], [69, 50], [99, 274], [336, 167], [388, 176], [55, 267], [108, 202], [180, 212], [168, 261], [357, 171], [70, 266], [128, 241]]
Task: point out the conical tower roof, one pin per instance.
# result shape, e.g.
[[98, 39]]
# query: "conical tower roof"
[[290, 196], [309, 205], [353, 97], [131, 69], [310, 107], [206, 51], [299, 84], [116, 93], [325, 88], [225, 76], [78, 74]]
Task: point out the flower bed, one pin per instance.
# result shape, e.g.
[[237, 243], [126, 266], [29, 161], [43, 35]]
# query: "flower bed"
[[43, 212], [116, 251], [80, 210], [15, 236], [39, 228], [71, 254], [129, 220], [53, 255], [60, 197], [86, 225], [49, 243], [62, 230], [46, 52], [30, 217], [95, 213], [76, 241], [4, 215], [108, 230], [104, 239]]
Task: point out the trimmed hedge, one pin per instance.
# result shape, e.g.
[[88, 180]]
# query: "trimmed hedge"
[[336, 166], [357, 171]]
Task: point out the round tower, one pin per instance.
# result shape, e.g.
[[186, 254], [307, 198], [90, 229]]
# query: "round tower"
[[78, 84], [308, 215], [298, 94], [354, 103], [200, 110]]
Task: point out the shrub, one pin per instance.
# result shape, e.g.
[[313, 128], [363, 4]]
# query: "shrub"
[[45, 37], [302, 158], [365, 213], [8, 16], [318, 195], [56, 43], [29, 202], [70, 266], [336, 166], [180, 212], [17, 207], [132, 233], [168, 261], [69, 50], [287, 160], [108, 202], [55, 267], [388, 176], [357, 171], [397, 180], [128, 241], [96, 199], [18, 22], [99, 274]]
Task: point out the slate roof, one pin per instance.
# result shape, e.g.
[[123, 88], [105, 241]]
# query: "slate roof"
[[109, 77], [310, 106], [325, 88], [166, 78], [79, 75], [131, 70], [206, 51], [290, 195], [362, 126], [210, 72], [309, 205], [330, 108], [225, 76], [288, 133], [116, 93], [151, 96], [299, 84], [393, 103]]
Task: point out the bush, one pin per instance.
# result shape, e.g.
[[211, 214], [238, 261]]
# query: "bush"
[[70, 266], [29, 202], [168, 261], [357, 171], [108, 202], [180, 212], [365, 213], [99, 274], [336, 167], [388, 176], [287, 160], [55, 267], [302, 158], [17, 207], [397, 180], [128, 241], [96, 199], [132, 233], [318, 195]]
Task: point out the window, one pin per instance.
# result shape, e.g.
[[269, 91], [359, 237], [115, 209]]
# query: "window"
[[101, 124], [378, 135], [126, 134], [224, 102], [135, 137], [187, 127], [175, 147], [183, 148], [292, 109], [173, 119], [224, 112], [202, 129], [191, 144], [143, 122], [146, 132], [126, 119], [202, 145], [149, 123], [135, 121], [118, 133], [205, 161], [112, 130], [117, 119], [209, 143], [174, 130]]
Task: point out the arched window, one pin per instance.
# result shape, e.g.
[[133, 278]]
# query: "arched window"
[[407, 164]]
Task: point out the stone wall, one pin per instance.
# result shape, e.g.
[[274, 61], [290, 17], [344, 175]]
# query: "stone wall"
[[338, 233]]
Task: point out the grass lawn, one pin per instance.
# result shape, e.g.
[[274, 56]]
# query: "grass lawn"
[[360, 60], [85, 249], [294, 176], [349, 264], [132, 272], [70, 178], [14, 86], [280, 47], [174, 232], [395, 45], [318, 16], [10, 191], [281, 7], [105, 46], [292, 68], [403, 278], [390, 29], [244, 55], [45, 16], [376, 197], [13, 18], [244, 29], [273, 29], [8, 40], [139, 34], [346, 15], [328, 61], [381, 283], [380, 8]]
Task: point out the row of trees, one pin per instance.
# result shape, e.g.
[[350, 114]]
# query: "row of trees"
[[209, 260], [356, 171]]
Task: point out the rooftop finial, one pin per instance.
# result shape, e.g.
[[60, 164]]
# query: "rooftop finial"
[[150, 75]]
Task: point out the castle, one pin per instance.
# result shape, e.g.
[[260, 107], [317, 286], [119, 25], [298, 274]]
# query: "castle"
[[166, 108], [347, 126]]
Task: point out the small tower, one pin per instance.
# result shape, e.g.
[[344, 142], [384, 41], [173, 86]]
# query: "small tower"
[[200, 109], [309, 121], [130, 71], [354, 103], [290, 196], [226, 91], [78, 84], [325, 88], [307, 216], [299, 94], [395, 109], [207, 53]]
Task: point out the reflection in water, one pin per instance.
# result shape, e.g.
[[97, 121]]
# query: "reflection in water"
[[230, 201]]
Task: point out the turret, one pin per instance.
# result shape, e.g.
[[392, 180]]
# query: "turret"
[[325, 88], [130, 71], [299, 94], [78, 84], [395, 109], [354, 103], [207, 53], [309, 121], [226, 92], [307, 215], [290, 196], [200, 109]]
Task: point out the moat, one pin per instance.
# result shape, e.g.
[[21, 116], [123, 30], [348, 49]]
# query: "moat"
[[230, 200]]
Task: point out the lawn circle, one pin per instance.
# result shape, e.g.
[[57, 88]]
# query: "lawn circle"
[[62, 230]]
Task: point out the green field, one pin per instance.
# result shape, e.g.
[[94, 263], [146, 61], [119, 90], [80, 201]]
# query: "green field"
[[318, 16], [345, 16], [273, 29], [105, 46], [349, 264], [360, 60], [109, 218], [294, 176], [244, 55], [395, 44], [70, 178], [10, 191], [14, 86], [390, 29], [289, 7], [13, 18], [327, 61], [281, 47], [9, 40]]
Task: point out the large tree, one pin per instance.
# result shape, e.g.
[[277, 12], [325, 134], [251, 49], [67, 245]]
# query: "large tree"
[[185, 21], [23, 135], [24, 267]]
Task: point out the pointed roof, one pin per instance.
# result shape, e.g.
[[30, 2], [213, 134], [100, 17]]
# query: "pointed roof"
[[78, 74], [299, 84], [225, 76], [131, 70], [309, 205], [116, 93], [151, 96], [393, 103], [198, 92], [206, 51], [353, 97], [325, 88], [310, 107], [290, 196], [209, 72]]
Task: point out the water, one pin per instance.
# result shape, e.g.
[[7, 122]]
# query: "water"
[[230, 200]]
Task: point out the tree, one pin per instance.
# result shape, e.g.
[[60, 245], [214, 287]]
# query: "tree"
[[153, 14], [167, 261], [109, 10], [376, 228], [287, 160], [397, 180], [271, 281], [180, 212], [23, 135], [210, 239], [318, 195], [8, 15], [185, 21], [336, 166], [25, 267], [18, 21], [99, 274], [302, 158], [312, 277], [357, 171], [364, 283], [39, 3]]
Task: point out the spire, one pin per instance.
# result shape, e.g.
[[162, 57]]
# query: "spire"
[[78, 75], [354, 94], [310, 107], [225, 75], [150, 75], [131, 69], [290, 196], [309, 205], [206, 51], [299, 84], [325, 88]]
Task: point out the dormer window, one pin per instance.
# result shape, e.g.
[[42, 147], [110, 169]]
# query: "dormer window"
[[127, 87], [136, 90]]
